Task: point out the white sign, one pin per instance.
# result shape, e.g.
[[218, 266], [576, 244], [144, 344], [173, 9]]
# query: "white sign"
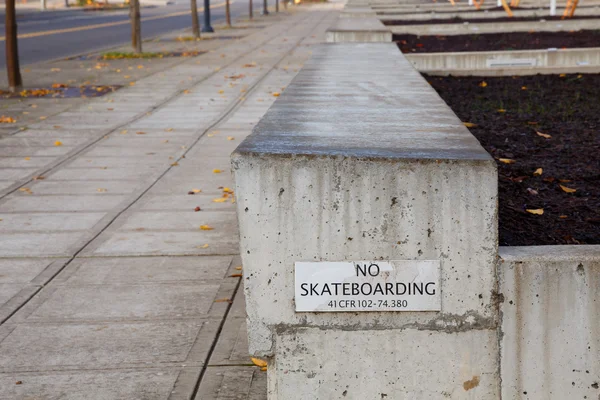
[[408, 285]]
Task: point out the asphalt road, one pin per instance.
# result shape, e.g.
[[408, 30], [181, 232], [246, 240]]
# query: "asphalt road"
[[61, 33]]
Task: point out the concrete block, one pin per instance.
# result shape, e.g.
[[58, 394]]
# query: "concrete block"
[[551, 322], [311, 363], [56, 346], [365, 30]]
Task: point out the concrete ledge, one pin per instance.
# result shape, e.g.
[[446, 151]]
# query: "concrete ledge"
[[550, 338], [518, 62], [367, 30], [468, 14], [495, 27], [360, 159]]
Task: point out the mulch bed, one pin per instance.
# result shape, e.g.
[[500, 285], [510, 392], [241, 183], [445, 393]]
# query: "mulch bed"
[[458, 20], [508, 113], [497, 41]]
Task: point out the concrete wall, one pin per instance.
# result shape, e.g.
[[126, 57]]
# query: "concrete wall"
[[494, 27], [550, 336], [518, 62]]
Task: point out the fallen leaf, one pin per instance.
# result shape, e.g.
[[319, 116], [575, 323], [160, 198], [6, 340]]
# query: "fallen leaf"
[[124, 132], [469, 124], [258, 362], [227, 190], [230, 138], [197, 209], [43, 117], [27, 158], [276, 94], [506, 160], [501, 110], [101, 190], [223, 301], [58, 143], [186, 92], [131, 83], [220, 200], [562, 75], [221, 91], [567, 189], [7, 120], [206, 227], [217, 171], [532, 191], [483, 84], [238, 268], [562, 216], [140, 133], [538, 211], [544, 135], [235, 275], [263, 368], [204, 246], [174, 164], [196, 190], [169, 130], [538, 172], [523, 87], [39, 178]]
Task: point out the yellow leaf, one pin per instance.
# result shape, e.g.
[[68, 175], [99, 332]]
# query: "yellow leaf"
[[483, 84], [567, 189], [169, 130], [140, 133], [263, 368], [469, 124], [43, 118], [238, 268], [27, 158], [58, 143], [131, 83], [100, 190], [544, 135], [186, 92], [220, 200], [562, 75], [124, 132], [276, 94], [227, 190], [538, 172], [217, 171], [501, 110], [258, 362], [523, 87], [221, 91], [506, 160], [203, 246], [196, 190], [539, 211], [206, 227], [230, 138]]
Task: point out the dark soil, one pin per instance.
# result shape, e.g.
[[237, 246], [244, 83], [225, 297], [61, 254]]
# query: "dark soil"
[[497, 41], [508, 111], [458, 20]]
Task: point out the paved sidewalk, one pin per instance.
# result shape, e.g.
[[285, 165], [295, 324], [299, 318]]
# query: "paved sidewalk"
[[109, 288]]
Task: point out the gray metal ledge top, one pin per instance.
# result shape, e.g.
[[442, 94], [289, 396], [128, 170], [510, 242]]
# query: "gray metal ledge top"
[[363, 101]]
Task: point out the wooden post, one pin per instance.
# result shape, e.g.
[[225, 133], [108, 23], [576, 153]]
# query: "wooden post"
[[250, 9], [136, 29], [12, 51], [227, 13], [195, 22]]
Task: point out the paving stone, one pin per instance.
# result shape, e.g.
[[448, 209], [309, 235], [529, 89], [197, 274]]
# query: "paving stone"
[[233, 383], [119, 302], [128, 270], [165, 243], [35, 151], [232, 345], [182, 220], [48, 222], [14, 270], [88, 187], [26, 203], [22, 162], [104, 345], [8, 290], [184, 202], [16, 173], [147, 384], [31, 244], [108, 173]]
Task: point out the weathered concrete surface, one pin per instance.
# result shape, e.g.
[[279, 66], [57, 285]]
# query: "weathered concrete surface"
[[517, 62], [550, 322], [367, 30], [391, 15], [382, 364], [496, 27], [366, 163]]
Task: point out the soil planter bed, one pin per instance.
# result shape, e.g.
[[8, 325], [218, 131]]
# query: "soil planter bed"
[[497, 41], [507, 114]]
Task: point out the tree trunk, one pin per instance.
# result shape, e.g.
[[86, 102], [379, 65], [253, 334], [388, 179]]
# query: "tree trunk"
[[265, 8], [136, 29], [195, 23], [250, 10], [12, 51], [276, 6], [227, 13]]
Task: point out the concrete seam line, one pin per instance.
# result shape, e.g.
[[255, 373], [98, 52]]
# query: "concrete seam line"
[[138, 196]]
